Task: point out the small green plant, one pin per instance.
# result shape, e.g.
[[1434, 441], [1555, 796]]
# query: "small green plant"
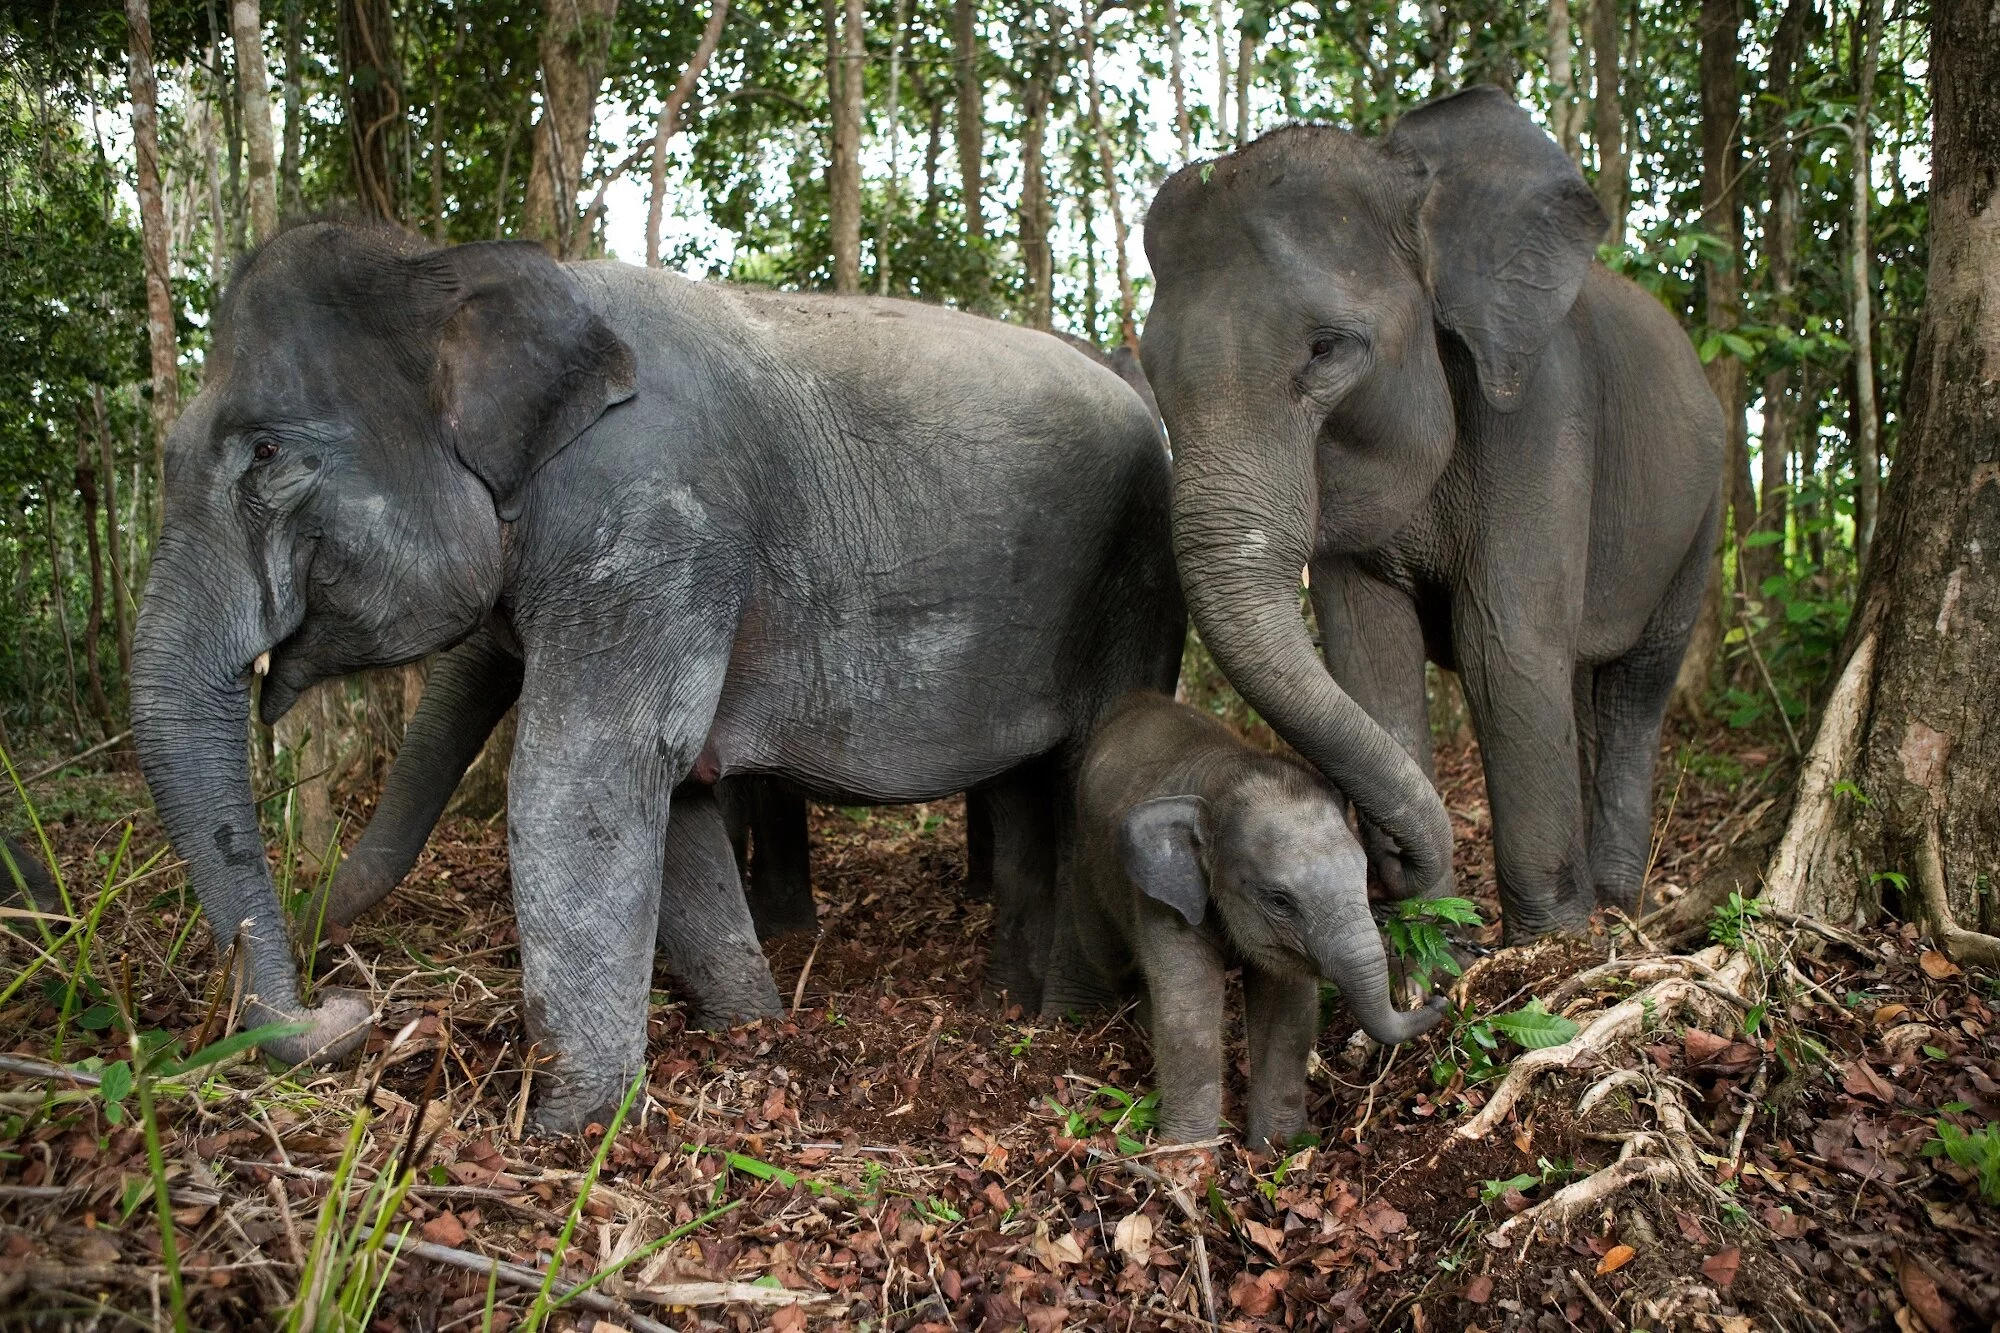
[[1732, 919], [348, 1265], [1415, 928], [1490, 1190], [1474, 1050], [1113, 1110], [938, 1210], [1977, 1151], [1532, 1027]]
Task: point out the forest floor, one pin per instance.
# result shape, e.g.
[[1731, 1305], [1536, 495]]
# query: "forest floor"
[[893, 1156]]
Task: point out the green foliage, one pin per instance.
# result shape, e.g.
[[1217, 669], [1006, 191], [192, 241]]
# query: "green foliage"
[[1110, 1110], [1532, 1027], [1733, 916], [1415, 931], [1977, 1151], [1474, 1051]]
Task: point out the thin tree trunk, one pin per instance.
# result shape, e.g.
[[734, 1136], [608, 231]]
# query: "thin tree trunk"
[[1781, 233], [891, 196], [1722, 212], [144, 92], [288, 163], [1608, 115], [372, 83], [93, 625], [23, 577], [1562, 81], [1246, 64], [108, 471], [308, 732], [670, 123], [437, 172], [1035, 256], [1221, 81], [1861, 333], [1128, 327], [845, 78], [253, 90], [218, 218], [933, 150], [971, 117], [500, 187], [575, 47], [1181, 127], [61, 598], [1924, 658]]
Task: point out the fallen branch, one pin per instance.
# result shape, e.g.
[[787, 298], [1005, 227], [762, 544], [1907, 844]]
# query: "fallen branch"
[[1597, 1302]]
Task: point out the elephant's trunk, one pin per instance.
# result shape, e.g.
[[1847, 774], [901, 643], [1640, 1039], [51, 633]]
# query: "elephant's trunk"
[[469, 690], [1244, 512], [1354, 960], [190, 705]]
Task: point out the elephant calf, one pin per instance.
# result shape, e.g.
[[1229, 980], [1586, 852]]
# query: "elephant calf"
[[1174, 813]]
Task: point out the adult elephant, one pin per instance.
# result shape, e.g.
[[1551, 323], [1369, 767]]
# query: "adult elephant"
[[1395, 361], [882, 550]]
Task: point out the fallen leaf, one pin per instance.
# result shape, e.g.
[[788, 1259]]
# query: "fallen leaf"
[[1735, 1323], [606, 1326], [1936, 966], [1270, 1239], [1380, 1221], [1479, 1290], [1721, 1268], [1252, 1295], [1923, 1295], [788, 1319], [445, 1229], [1042, 1318], [1057, 1252], [1889, 1013], [1134, 1237], [1784, 1224], [1614, 1259], [1861, 1080]]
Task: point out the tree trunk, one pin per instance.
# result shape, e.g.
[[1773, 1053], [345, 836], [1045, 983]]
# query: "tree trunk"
[[93, 625], [898, 37], [293, 194], [1912, 705], [144, 91], [1128, 326], [108, 471], [1608, 115], [845, 76], [482, 792], [1035, 257], [1176, 71], [1246, 64], [1861, 332], [1221, 81], [253, 91], [971, 117], [308, 733], [575, 47], [670, 123], [60, 594], [1563, 111], [374, 92], [1721, 201], [1781, 236]]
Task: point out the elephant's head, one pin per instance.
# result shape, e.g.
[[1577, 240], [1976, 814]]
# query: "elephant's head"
[[371, 412], [1274, 856], [1326, 308]]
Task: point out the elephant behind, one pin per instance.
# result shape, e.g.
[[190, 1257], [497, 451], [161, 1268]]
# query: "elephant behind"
[[1396, 362]]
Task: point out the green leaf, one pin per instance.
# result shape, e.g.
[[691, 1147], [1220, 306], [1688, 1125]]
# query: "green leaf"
[[1533, 1027], [216, 1052], [115, 1083], [96, 1018], [1493, 1189], [750, 1166]]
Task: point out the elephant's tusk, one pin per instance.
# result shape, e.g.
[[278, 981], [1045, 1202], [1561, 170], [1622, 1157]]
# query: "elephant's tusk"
[[262, 666]]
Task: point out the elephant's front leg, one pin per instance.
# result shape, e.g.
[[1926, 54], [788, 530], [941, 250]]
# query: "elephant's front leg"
[[589, 795], [1281, 1020], [1184, 975], [706, 937], [1519, 689], [1373, 644]]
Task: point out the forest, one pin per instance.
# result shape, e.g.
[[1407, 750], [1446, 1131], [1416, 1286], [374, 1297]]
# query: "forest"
[[1763, 1098]]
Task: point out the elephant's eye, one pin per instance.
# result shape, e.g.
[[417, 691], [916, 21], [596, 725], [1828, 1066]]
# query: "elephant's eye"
[[1322, 346], [264, 450], [1280, 902]]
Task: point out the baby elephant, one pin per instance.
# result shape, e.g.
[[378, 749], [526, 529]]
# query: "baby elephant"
[[1175, 815]]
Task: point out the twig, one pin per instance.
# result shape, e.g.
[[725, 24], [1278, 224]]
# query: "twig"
[[1757, 1086], [1597, 1302], [515, 1275], [1846, 939], [53, 769], [1204, 1280], [799, 991]]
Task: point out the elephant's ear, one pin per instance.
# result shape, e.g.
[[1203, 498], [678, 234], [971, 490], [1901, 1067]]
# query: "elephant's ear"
[[1160, 842], [1509, 231], [523, 367]]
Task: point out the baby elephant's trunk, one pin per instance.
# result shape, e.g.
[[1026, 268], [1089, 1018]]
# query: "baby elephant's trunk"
[[1355, 961]]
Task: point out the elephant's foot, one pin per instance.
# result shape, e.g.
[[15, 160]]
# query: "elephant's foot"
[[732, 986], [1274, 1131], [333, 1029], [781, 909], [568, 1102]]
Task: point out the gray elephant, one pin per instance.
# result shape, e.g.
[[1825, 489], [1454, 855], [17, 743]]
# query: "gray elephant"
[[881, 550], [1175, 816], [1395, 362]]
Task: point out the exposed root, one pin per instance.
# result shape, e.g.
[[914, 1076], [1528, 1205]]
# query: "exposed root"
[[1604, 1087], [1626, 1019], [1810, 849], [1639, 970], [1965, 946], [1573, 1201]]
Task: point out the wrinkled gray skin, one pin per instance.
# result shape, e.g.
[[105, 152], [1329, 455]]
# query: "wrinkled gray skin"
[[1395, 361], [24, 879], [725, 531], [1196, 854]]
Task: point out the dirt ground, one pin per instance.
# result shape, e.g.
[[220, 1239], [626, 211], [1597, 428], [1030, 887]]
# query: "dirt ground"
[[892, 1156]]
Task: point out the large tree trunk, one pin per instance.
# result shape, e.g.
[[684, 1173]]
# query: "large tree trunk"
[[374, 92], [898, 38], [1608, 115], [144, 91], [575, 47], [670, 123], [970, 128], [1860, 329], [1128, 326], [845, 73], [253, 91], [1910, 714]]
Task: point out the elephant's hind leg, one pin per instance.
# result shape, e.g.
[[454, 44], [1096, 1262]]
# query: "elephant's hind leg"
[[1025, 830], [780, 876], [706, 937], [1629, 700]]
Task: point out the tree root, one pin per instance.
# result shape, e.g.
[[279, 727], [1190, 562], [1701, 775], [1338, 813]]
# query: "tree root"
[[1626, 1019], [1961, 945], [1573, 1200]]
